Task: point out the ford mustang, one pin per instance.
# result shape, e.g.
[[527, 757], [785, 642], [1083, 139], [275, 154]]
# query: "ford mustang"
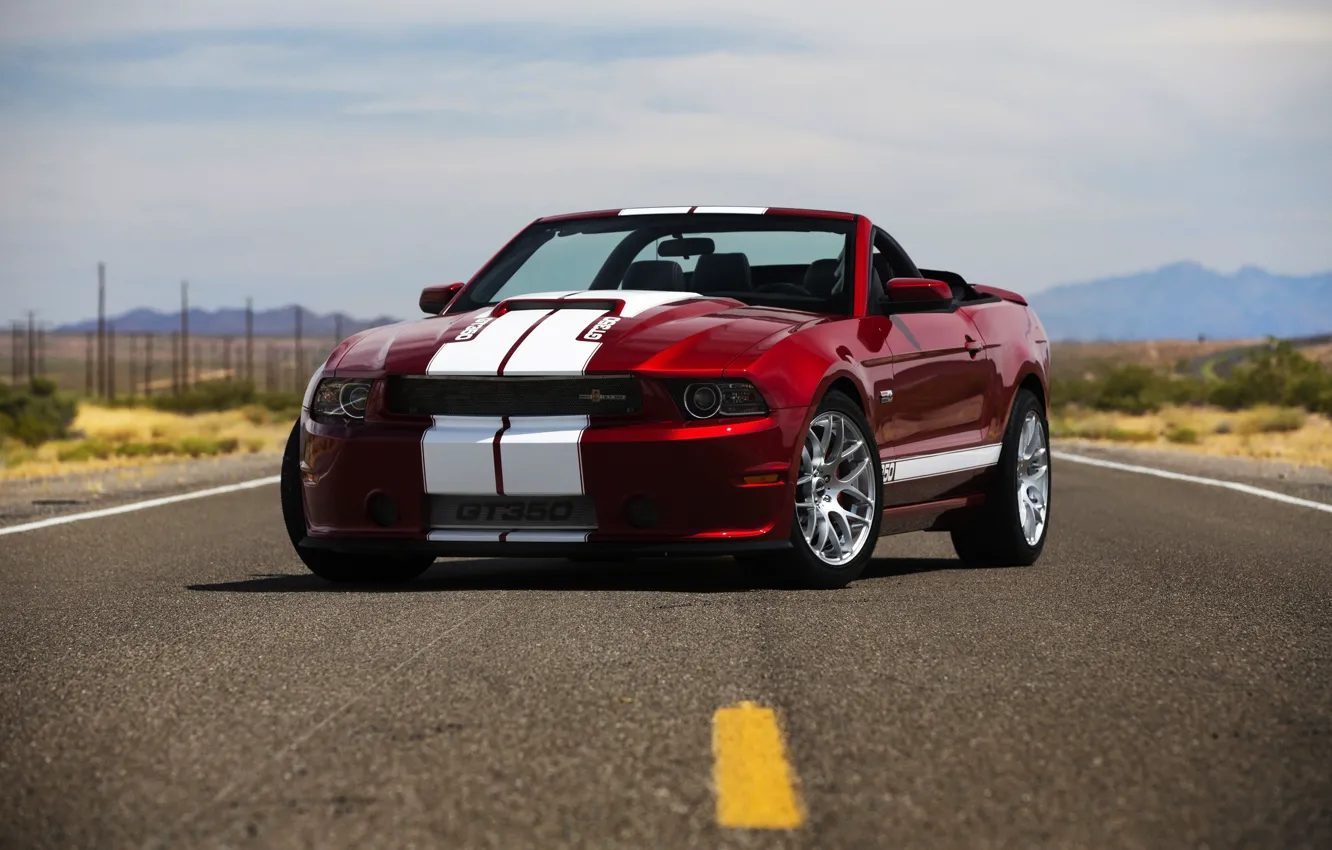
[[783, 386]]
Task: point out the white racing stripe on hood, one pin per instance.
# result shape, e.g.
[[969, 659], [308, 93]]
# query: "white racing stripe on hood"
[[485, 351]]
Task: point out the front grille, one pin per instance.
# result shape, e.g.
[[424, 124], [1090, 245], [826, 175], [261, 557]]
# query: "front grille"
[[582, 395]]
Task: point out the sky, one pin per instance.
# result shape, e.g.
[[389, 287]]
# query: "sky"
[[343, 155]]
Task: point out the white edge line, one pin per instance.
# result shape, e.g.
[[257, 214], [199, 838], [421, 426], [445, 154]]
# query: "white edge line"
[[139, 506], [1194, 479]]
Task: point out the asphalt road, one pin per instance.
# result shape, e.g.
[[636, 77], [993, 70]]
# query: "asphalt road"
[[1162, 678]]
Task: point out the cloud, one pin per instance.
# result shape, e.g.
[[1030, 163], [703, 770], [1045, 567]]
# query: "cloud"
[[342, 151]]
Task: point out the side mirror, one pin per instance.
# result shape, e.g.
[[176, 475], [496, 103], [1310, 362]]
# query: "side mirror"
[[434, 299], [907, 294]]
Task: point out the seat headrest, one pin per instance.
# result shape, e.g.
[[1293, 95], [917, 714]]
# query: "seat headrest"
[[654, 274], [722, 273], [821, 277]]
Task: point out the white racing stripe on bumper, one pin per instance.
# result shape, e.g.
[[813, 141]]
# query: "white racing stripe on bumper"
[[452, 536], [458, 454], [553, 536], [540, 456]]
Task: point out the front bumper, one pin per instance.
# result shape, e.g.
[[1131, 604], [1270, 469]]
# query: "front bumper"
[[693, 473]]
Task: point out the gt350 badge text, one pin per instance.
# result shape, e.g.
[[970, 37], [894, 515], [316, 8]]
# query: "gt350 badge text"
[[473, 329], [599, 328]]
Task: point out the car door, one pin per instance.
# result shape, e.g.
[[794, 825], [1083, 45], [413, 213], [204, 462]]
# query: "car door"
[[932, 406]]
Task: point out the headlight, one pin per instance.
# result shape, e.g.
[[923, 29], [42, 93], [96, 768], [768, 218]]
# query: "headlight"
[[706, 399], [340, 400]]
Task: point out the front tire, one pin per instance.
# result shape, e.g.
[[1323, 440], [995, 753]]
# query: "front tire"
[[1011, 528], [338, 567], [838, 497]]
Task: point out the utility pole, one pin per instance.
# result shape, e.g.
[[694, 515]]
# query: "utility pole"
[[337, 329], [101, 329], [185, 333], [41, 350], [148, 364], [249, 340]]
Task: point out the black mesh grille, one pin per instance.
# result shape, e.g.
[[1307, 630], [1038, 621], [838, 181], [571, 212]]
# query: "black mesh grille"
[[574, 396]]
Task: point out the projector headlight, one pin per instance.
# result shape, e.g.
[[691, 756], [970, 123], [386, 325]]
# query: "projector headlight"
[[708, 399], [340, 400]]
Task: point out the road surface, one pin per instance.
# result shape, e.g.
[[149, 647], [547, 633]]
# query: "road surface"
[[1162, 678]]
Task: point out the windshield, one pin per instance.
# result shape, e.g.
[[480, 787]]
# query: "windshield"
[[777, 261]]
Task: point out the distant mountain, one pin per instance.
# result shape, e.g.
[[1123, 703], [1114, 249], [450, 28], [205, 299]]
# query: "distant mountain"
[[280, 321], [1182, 300]]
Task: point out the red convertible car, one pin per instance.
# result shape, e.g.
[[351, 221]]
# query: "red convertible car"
[[780, 385]]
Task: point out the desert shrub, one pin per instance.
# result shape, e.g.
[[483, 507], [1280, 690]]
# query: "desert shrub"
[[212, 396], [254, 445], [1184, 435], [35, 413], [198, 446], [1274, 420], [86, 450], [152, 449], [1130, 389], [256, 414], [1275, 373]]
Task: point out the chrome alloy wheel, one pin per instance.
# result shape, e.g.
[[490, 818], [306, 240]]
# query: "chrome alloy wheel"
[[1033, 475], [835, 489]]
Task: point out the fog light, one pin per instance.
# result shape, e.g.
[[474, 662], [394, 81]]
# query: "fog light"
[[641, 511], [381, 510]]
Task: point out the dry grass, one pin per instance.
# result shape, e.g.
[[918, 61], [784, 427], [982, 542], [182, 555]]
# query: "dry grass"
[[120, 437], [1264, 432]]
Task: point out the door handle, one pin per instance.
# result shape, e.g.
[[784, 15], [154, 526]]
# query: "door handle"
[[973, 347]]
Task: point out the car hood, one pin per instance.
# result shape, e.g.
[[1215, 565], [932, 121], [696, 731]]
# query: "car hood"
[[572, 333]]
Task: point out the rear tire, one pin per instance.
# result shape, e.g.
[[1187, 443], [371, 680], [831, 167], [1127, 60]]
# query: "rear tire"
[[997, 535], [830, 486], [339, 567]]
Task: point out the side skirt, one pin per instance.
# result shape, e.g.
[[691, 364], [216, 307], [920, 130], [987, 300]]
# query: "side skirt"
[[930, 516]]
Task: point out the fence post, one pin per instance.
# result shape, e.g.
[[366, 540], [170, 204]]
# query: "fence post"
[[88, 370], [249, 340], [185, 334], [101, 329], [111, 362], [148, 364], [32, 349]]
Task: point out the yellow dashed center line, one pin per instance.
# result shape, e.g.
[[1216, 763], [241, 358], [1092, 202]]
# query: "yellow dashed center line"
[[754, 780]]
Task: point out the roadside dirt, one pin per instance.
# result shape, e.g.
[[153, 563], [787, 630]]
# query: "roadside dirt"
[[24, 500]]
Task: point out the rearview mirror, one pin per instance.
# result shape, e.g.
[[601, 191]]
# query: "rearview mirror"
[[905, 294], [435, 299], [693, 246]]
